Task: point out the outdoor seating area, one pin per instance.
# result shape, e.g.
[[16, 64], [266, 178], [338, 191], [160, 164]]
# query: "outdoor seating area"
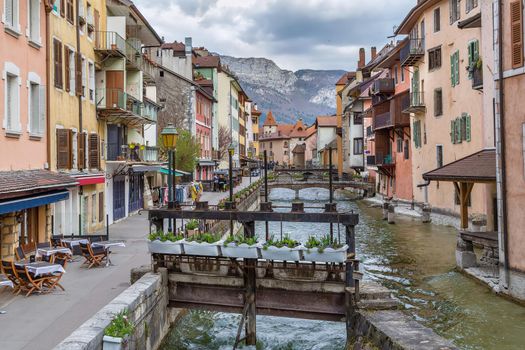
[[39, 267]]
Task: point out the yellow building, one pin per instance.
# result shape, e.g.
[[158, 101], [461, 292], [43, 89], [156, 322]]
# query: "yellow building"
[[74, 131], [256, 115]]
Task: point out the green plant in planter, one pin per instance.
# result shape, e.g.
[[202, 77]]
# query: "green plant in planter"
[[321, 243], [120, 326], [192, 224], [156, 235], [240, 239], [204, 237], [163, 237], [170, 236], [286, 241]]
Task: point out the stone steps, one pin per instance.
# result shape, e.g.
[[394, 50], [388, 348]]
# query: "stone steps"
[[378, 304]]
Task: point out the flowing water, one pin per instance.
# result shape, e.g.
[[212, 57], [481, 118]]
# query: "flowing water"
[[415, 260]]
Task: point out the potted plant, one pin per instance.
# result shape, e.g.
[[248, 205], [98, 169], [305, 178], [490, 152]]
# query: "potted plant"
[[203, 244], [238, 246], [192, 227], [117, 333], [281, 249], [165, 243], [323, 250]]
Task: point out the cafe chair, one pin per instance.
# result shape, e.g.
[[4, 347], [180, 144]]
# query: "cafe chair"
[[92, 257]]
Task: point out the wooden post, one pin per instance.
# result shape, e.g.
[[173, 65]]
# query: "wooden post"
[[464, 189], [250, 286], [350, 255]]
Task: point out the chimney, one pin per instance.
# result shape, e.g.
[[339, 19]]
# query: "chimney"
[[373, 52], [255, 106], [361, 62], [187, 46]]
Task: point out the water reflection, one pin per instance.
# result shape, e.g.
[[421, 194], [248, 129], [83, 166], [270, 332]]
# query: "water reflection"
[[415, 260]]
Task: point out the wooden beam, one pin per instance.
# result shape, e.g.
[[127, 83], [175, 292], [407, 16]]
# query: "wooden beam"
[[464, 193]]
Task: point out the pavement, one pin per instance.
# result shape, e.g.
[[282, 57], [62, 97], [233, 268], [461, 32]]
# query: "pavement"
[[42, 321]]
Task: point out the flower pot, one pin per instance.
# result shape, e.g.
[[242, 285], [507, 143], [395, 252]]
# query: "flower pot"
[[114, 343], [327, 255], [284, 253], [168, 247], [202, 249], [243, 250], [204, 266]]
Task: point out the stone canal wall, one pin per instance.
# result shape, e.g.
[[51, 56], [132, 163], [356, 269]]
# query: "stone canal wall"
[[147, 302]]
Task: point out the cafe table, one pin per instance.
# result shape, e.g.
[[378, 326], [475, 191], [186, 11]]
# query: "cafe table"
[[48, 251], [39, 268], [107, 246]]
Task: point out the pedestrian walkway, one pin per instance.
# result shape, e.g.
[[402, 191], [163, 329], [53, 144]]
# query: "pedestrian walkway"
[[213, 198], [42, 321]]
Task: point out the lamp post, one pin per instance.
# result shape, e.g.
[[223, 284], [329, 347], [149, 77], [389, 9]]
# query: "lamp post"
[[231, 151], [169, 139]]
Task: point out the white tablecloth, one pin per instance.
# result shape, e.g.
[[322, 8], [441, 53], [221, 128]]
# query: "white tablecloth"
[[51, 251], [41, 268], [108, 244], [6, 283], [74, 241]]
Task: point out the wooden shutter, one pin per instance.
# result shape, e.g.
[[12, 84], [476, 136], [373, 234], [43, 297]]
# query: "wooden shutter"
[[456, 68], [452, 70], [468, 128], [94, 151], [41, 109], [63, 149], [63, 8], [516, 33], [57, 59], [101, 206], [78, 74], [453, 131], [81, 143], [67, 53], [70, 12]]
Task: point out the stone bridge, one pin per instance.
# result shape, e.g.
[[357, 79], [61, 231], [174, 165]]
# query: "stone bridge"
[[298, 185]]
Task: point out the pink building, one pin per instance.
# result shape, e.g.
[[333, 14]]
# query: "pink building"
[[27, 190], [204, 105]]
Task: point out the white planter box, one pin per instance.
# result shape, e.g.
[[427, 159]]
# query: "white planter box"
[[167, 247], [232, 250], [202, 249], [113, 343], [328, 254], [284, 253]]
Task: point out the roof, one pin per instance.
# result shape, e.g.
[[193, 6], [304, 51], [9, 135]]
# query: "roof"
[[392, 57], [175, 46], [312, 130], [299, 130], [379, 57], [477, 167], [345, 78], [332, 144], [328, 120], [32, 180], [413, 15], [270, 120], [207, 61]]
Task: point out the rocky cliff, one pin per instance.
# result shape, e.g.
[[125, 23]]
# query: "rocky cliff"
[[301, 94]]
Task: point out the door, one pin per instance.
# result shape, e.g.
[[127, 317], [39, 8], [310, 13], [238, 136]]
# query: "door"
[[119, 197], [116, 137], [115, 89], [136, 195], [415, 88]]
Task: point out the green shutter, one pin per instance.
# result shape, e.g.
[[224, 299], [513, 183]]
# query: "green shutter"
[[452, 132], [467, 124], [476, 50], [452, 70], [457, 67], [458, 130]]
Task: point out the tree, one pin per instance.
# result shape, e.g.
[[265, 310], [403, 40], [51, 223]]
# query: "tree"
[[188, 150], [225, 139]]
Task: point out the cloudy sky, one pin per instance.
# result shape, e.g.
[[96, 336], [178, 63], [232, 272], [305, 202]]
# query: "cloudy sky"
[[296, 34]]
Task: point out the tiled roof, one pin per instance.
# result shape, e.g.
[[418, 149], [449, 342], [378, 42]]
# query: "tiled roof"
[[175, 46], [29, 180], [299, 130], [326, 121], [206, 61], [312, 130], [270, 120], [345, 78], [478, 167]]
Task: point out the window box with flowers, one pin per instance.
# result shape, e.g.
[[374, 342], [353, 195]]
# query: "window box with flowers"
[[117, 334]]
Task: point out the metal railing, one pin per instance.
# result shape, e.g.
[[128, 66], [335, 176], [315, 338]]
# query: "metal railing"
[[133, 55], [477, 78], [417, 99], [110, 41], [150, 111], [118, 99], [383, 86], [138, 153], [413, 51], [384, 159]]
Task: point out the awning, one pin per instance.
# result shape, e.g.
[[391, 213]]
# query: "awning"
[[145, 168], [206, 163], [478, 167], [177, 172], [32, 202], [91, 179]]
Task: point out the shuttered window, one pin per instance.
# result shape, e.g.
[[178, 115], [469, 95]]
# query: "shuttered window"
[[460, 129], [70, 11], [471, 4], [473, 56], [34, 20], [81, 146], [101, 206], [67, 68], [78, 74], [57, 59], [454, 68], [417, 133], [63, 8], [437, 20], [434, 58], [11, 14], [516, 33], [37, 109], [64, 149], [455, 10], [94, 151], [438, 102], [439, 156]]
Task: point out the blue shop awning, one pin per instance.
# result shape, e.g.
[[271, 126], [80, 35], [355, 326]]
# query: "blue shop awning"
[[32, 202], [177, 172]]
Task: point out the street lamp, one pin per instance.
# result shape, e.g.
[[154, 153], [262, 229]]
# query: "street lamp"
[[231, 151], [169, 137]]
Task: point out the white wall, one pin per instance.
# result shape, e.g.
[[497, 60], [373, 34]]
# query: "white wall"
[[355, 131], [117, 24], [325, 135]]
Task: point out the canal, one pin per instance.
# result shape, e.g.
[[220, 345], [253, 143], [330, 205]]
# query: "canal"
[[416, 261]]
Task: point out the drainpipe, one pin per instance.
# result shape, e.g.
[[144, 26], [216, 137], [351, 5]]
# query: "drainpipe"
[[501, 134], [77, 9], [48, 10]]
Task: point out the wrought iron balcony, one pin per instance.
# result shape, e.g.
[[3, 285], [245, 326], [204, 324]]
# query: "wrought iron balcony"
[[477, 78], [384, 159], [116, 105], [383, 86], [413, 52]]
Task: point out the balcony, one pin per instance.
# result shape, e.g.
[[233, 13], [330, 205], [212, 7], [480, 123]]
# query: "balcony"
[[382, 121], [390, 114], [150, 110], [133, 56], [123, 153], [416, 103], [383, 86], [148, 68], [117, 106], [110, 44], [413, 52], [477, 78]]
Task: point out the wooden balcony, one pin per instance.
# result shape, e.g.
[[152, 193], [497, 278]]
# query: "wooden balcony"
[[117, 106], [413, 52], [390, 114], [383, 86], [477, 79]]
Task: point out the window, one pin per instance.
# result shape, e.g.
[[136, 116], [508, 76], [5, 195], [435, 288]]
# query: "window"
[[437, 20], [406, 151], [37, 100], [81, 148], [358, 119], [57, 63], [12, 107], [438, 102], [460, 129], [402, 74], [471, 4], [94, 208], [11, 15], [473, 56], [70, 11], [417, 133], [64, 149], [34, 21], [434, 58], [358, 145], [395, 75], [454, 68], [91, 72], [399, 144], [516, 33], [94, 151], [439, 156], [455, 10], [70, 70], [83, 72]]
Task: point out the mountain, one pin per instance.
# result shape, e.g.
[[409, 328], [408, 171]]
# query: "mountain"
[[303, 94]]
